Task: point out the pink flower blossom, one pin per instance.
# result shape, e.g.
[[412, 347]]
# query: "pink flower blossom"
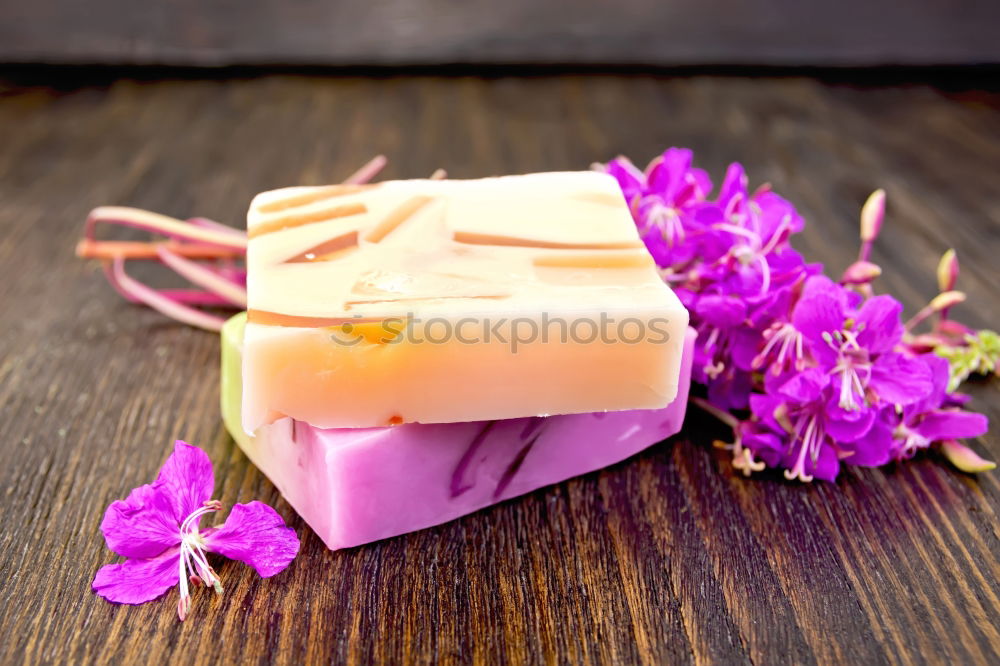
[[828, 371], [158, 529]]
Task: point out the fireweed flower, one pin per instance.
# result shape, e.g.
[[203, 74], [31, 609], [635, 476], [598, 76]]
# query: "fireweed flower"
[[665, 201], [756, 228], [814, 433], [855, 345], [723, 340], [158, 528], [828, 371], [902, 431]]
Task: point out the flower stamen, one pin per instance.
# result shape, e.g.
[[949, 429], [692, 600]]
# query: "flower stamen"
[[810, 432], [788, 341], [193, 558]]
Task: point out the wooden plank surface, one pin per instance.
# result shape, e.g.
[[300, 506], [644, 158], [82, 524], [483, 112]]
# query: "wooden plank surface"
[[651, 32], [669, 557]]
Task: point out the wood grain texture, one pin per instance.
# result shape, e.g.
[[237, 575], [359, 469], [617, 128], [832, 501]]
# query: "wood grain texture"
[[669, 557], [419, 32]]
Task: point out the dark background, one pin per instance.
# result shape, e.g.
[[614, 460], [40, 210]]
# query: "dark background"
[[191, 107], [428, 32]]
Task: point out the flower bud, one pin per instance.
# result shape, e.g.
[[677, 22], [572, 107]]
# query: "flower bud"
[[946, 300], [965, 458], [952, 328], [861, 272], [947, 271], [922, 344], [872, 214]]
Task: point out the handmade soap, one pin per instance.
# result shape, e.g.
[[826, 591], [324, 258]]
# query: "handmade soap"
[[359, 485], [439, 301]]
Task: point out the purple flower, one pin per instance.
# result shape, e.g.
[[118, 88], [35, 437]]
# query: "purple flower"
[[158, 529], [935, 418], [723, 342], [836, 369], [813, 432], [733, 268], [668, 180], [829, 372], [854, 344], [665, 202], [752, 234]]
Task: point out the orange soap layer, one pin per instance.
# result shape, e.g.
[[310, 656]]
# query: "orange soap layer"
[[439, 301]]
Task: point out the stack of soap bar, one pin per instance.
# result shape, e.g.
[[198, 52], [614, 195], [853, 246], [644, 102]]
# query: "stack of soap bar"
[[416, 350], [357, 485], [447, 301]]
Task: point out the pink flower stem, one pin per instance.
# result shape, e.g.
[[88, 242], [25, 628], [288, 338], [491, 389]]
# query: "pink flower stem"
[[865, 251], [222, 284], [720, 414], [924, 313], [133, 288], [368, 171], [206, 223], [94, 249], [204, 277], [188, 297], [164, 225]]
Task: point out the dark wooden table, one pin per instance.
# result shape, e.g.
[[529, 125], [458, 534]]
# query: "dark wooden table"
[[669, 557]]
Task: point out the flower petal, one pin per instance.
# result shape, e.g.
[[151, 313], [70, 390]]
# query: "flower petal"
[[881, 328], [900, 380], [254, 533], [743, 345], [820, 310], [827, 465], [665, 174], [805, 386], [138, 526], [845, 425], [760, 441], [730, 390], [722, 311], [697, 186], [874, 448], [187, 479], [940, 373], [629, 178], [775, 211], [951, 424], [764, 407], [137, 581], [657, 246], [733, 185]]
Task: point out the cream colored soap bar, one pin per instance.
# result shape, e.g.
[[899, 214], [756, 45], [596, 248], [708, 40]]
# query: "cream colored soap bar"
[[454, 300]]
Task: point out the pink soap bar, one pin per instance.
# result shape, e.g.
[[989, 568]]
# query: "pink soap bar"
[[354, 486]]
